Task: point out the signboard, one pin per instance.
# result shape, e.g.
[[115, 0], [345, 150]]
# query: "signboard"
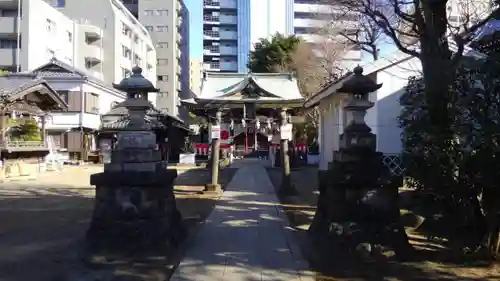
[[286, 132], [136, 140], [215, 132]]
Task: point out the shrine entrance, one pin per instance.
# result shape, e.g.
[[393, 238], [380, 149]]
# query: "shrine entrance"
[[250, 105], [245, 144]]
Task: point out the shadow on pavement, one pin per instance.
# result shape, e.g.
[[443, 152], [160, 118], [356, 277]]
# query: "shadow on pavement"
[[300, 211], [39, 226], [42, 226]]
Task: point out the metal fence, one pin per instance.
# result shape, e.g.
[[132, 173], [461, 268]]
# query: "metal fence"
[[395, 164]]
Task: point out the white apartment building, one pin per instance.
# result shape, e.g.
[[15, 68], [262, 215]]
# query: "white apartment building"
[[42, 33], [195, 75], [310, 20], [119, 41]]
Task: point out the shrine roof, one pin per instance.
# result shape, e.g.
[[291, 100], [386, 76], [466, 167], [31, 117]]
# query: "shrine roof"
[[18, 88], [230, 87]]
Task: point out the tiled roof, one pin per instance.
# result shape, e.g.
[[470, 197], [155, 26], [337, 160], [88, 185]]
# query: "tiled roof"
[[56, 69], [223, 86], [12, 86]]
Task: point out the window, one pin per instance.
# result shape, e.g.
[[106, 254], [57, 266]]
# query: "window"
[[8, 44], [162, 45], [89, 64], [162, 78], [126, 53], [70, 36], [149, 28], [162, 12], [125, 72], [163, 94], [137, 60], [161, 28], [162, 61], [148, 12], [64, 95], [126, 30], [91, 103], [60, 3], [50, 26]]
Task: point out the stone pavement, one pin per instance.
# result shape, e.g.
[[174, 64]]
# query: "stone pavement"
[[247, 236]]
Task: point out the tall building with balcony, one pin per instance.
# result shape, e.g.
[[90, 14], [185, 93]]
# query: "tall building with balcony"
[[226, 35], [304, 18], [308, 20], [39, 34], [115, 39], [168, 24], [269, 17]]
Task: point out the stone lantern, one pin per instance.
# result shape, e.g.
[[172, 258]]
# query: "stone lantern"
[[135, 205], [356, 161], [359, 190], [357, 133]]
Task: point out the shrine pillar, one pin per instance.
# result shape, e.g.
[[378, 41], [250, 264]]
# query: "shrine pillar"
[[44, 130], [286, 182], [215, 153]]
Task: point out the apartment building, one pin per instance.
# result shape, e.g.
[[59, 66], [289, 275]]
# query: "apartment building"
[[114, 35], [168, 24], [39, 34], [269, 17], [304, 18], [226, 35], [195, 76]]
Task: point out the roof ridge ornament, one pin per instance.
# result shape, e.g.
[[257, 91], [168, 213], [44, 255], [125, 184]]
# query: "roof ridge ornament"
[[358, 70]]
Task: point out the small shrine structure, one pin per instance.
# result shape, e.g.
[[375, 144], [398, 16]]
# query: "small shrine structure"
[[24, 98], [135, 206], [170, 131], [247, 108]]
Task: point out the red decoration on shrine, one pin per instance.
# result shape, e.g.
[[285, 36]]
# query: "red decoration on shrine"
[[224, 135]]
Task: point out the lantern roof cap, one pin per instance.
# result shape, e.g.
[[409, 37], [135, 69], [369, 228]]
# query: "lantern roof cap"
[[136, 83], [359, 83]]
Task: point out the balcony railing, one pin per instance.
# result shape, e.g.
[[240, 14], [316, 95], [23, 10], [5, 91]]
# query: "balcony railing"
[[211, 18], [211, 3], [211, 33], [212, 50]]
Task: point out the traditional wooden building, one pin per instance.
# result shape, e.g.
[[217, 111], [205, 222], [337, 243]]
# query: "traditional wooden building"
[[87, 96], [24, 98], [170, 130], [250, 104]]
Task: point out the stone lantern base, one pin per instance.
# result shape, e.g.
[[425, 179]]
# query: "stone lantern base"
[[135, 210], [362, 203]]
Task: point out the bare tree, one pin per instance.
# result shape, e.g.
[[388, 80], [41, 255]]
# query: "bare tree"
[[345, 24], [427, 23], [316, 64]]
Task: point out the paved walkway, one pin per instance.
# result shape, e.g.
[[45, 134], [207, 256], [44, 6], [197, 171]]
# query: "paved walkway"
[[246, 238]]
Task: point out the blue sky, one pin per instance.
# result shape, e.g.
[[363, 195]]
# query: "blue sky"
[[195, 8]]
